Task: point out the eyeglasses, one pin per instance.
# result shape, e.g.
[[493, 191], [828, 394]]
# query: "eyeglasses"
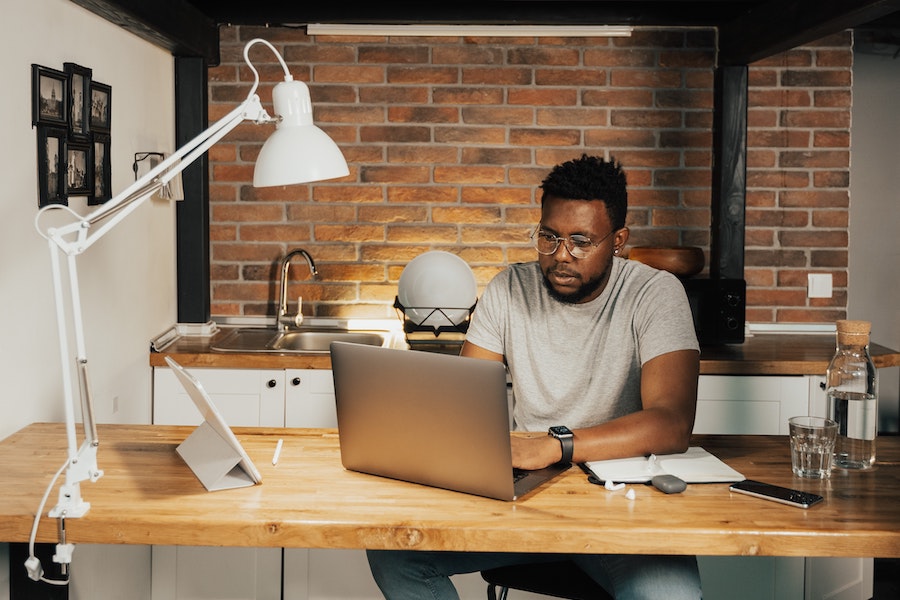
[[579, 246]]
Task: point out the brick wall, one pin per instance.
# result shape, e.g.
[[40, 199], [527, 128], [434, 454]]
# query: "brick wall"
[[798, 180], [448, 138]]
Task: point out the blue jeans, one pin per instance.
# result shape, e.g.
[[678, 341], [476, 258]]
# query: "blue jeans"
[[420, 575]]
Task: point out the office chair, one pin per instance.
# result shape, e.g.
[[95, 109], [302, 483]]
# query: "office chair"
[[561, 579]]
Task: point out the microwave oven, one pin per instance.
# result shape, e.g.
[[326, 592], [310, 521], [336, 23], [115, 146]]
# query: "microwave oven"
[[718, 307]]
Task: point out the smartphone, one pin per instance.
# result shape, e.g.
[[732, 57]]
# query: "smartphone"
[[767, 491]]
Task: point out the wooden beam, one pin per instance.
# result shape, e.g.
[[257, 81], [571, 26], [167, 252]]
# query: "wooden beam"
[[779, 25], [729, 185], [192, 215], [174, 25]]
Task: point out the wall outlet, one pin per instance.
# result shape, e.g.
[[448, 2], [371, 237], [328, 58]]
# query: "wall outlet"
[[818, 285]]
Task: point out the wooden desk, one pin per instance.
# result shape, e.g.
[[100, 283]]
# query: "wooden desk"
[[148, 496]]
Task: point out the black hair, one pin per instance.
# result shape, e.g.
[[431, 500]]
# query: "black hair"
[[590, 178]]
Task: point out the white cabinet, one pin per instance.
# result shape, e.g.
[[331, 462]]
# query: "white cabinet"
[[309, 398], [749, 404], [245, 397], [762, 405]]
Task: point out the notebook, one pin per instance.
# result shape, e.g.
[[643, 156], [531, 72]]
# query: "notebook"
[[212, 451], [694, 466], [433, 419]]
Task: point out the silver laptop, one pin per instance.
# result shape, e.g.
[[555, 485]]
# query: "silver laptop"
[[428, 418]]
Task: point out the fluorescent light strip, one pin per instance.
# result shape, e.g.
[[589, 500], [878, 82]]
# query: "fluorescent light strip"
[[471, 30]]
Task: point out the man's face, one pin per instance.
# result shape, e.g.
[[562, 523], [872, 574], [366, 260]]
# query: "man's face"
[[578, 280]]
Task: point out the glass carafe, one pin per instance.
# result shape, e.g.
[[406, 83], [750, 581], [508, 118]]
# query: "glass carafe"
[[851, 388]]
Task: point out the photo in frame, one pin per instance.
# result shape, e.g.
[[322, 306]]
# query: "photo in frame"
[[51, 152], [101, 96], [49, 96], [79, 167], [102, 174], [79, 100]]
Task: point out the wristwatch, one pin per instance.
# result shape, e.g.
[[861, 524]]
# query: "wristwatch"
[[566, 440]]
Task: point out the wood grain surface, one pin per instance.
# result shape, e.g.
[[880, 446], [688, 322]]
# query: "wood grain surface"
[[149, 496]]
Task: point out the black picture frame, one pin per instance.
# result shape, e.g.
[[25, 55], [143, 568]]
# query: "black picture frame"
[[102, 170], [100, 111], [51, 152], [79, 169], [49, 96], [79, 101]]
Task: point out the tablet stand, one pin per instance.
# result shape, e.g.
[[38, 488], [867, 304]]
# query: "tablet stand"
[[212, 459]]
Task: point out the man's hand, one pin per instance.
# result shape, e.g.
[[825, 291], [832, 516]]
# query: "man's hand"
[[535, 450]]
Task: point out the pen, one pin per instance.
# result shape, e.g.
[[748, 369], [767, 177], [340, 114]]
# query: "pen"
[[277, 451]]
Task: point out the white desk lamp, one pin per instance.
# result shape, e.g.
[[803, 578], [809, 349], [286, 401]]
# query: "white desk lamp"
[[297, 152]]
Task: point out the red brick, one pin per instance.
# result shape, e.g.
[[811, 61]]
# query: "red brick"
[[578, 77], [631, 57], [467, 55], [544, 56], [469, 174], [813, 239], [818, 198], [543, 96], [391, 54], [424, 194], [620, 98], [422, 75], [422, 234], [496, 75], [544, 137]]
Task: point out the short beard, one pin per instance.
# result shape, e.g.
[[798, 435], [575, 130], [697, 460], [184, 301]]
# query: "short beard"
[[584, 290]]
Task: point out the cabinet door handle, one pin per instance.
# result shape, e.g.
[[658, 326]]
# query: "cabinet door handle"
[[271, 383], [296, 381]]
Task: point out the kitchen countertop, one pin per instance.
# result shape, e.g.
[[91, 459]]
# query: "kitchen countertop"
[[760, 354]]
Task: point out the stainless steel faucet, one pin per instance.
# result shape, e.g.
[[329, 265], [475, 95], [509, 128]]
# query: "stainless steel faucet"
[[283, 319]]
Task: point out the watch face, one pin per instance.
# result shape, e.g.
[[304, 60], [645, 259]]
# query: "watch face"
[[560, 430]]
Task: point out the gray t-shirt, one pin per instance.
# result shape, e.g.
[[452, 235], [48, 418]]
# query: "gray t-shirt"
[[580, 364]]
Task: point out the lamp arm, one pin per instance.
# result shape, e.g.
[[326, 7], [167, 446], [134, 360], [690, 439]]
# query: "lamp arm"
[[74, 238]]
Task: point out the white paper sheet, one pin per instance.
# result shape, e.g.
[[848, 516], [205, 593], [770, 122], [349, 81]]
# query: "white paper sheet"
[[694, 466]]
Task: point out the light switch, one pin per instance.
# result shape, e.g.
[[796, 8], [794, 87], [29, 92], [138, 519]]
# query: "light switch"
[[818, 285]]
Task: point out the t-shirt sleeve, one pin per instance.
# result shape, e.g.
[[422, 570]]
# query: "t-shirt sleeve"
[[488, 324], [663, 318]]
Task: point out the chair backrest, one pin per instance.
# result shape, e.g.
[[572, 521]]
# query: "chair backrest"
[[560, 579]]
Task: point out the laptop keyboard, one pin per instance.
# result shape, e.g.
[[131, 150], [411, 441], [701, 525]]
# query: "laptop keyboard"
[[519, 474]]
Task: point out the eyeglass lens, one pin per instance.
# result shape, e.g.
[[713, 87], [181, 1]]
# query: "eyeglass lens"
[[578, 246]]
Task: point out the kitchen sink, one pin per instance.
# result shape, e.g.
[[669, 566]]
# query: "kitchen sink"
[[292, 341], [319, 341]]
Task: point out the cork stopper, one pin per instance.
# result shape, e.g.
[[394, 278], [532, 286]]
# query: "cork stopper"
[[853, 332]]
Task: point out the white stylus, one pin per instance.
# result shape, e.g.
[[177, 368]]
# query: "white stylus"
[[277, 451]]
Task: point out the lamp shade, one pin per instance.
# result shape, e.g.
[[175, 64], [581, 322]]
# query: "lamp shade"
[[297, 151]]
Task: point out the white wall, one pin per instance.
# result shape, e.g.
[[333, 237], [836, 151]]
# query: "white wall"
[[874, 288], [128, 278]]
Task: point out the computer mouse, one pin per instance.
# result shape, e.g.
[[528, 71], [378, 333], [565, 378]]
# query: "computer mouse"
[[668, 484]]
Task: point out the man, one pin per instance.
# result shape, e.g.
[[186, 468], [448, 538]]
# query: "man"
[[602, 345]]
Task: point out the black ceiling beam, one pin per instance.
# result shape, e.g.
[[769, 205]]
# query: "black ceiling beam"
[[779, 25], [174, 25], [488, 12]]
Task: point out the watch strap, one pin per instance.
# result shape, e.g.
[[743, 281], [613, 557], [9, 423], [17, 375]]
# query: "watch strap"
[[567, 443]]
